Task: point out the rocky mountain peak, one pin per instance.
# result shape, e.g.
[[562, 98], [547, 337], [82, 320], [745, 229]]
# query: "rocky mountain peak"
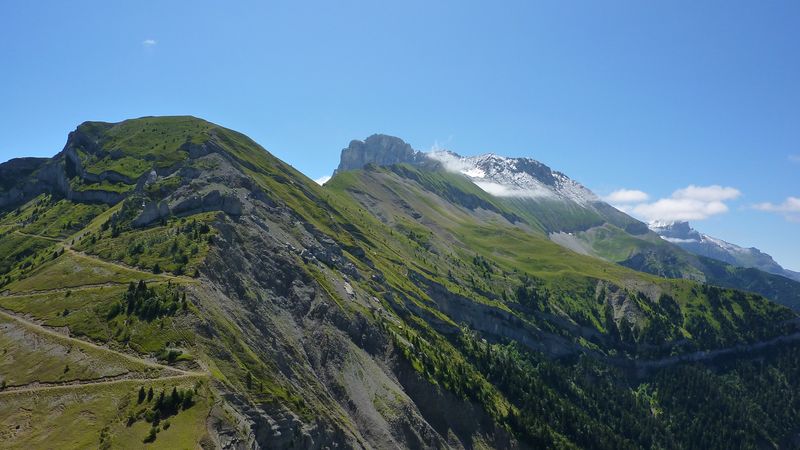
[[676, 231], [498, 175], [515, 177], [380, 149], [686, 237]]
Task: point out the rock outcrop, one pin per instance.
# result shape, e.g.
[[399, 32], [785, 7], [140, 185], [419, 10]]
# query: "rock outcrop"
[[378, 149]]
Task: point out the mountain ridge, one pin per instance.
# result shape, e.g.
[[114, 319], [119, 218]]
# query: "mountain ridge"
[[683, 235], [397, 306], [574, 217]]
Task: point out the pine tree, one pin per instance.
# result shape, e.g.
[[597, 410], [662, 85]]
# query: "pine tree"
[[175, 399], [151, 436]]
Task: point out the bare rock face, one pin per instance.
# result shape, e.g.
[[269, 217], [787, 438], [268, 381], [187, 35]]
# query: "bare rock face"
[[12, 170], [13, 188], [378, 149], [152, 212], [377, 400], [213, 200], [25, 178]]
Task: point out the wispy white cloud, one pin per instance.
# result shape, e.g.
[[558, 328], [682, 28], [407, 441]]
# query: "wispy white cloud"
[[450, 161], [672, 209], [626, 196], [149, 42], [794, 158], [791, 204], [790, 208], [690, 203], [712, 193], [441, 146], [322, 180], [499, 190], [455, 164]]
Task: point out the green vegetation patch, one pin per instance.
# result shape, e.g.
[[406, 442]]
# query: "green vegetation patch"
[[98, 416], [72, 270], [20, 251], [178, 246], [30, 354], [98, 313], [84, 311], [133, 147], [50, 217], [105, 185], [163, 187]]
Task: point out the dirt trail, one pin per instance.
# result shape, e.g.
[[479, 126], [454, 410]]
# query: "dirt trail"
[[80, 342], [176, 373], [162, 276], [68, 247], [22, 233], [83, 287], [39, 387], [129, 376], [705, 355]]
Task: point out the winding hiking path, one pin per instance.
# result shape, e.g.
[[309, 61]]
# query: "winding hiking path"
[[705, 355], [96, 259], [48, 332], [176, 373], [640, 366], [40, 387], [83, 287], [38, 236], [152, 277]]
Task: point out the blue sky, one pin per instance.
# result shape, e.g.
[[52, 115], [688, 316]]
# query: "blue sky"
[[645, 96]]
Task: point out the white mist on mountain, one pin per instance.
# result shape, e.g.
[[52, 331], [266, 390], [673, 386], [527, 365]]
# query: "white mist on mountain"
[[514, 177]]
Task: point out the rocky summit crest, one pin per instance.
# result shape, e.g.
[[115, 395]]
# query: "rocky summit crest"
[[380, 149]]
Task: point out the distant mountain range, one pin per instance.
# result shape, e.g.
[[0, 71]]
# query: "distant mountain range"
[[547, 199], [568, 213], [684, 236]]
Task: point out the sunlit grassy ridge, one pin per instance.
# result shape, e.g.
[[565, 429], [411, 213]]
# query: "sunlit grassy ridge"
[[134, 147], [72, 270]]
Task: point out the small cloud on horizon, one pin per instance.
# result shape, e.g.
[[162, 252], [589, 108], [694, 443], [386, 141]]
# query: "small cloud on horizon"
[[689, 203], [149, 42], [790, 208], [322, 180], [707, 193], [624, 196]]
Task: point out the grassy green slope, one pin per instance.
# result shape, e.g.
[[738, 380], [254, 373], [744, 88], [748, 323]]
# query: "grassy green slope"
[[133, 147], [98, 416], [435, 237], [485, 257]]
